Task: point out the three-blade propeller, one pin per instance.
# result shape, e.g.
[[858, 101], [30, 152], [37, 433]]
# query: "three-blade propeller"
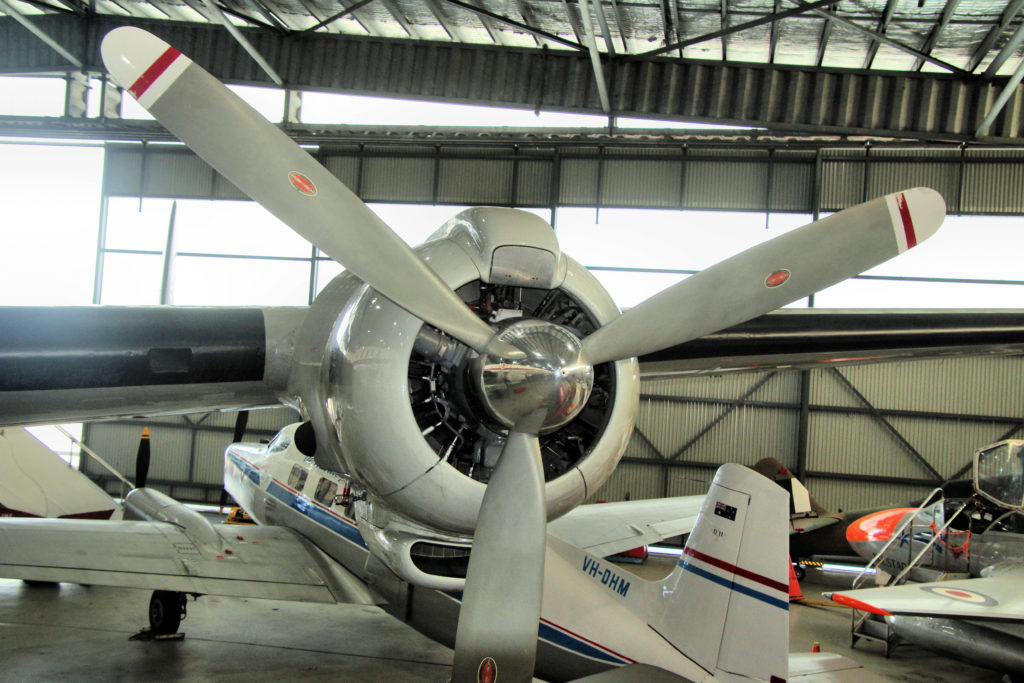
[[506, 566]]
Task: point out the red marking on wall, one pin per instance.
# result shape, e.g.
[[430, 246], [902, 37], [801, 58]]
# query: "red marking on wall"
[[142, 83]]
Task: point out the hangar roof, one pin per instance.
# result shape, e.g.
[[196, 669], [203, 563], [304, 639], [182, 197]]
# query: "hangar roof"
[[963, 55]]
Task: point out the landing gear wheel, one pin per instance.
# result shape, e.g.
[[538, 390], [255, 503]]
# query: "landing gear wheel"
[[800, 573], [166, 610]]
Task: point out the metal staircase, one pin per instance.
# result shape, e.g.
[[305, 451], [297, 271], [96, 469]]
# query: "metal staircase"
[[873, 627]]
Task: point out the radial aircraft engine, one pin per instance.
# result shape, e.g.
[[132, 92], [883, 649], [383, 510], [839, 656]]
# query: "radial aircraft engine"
[[484, 383]]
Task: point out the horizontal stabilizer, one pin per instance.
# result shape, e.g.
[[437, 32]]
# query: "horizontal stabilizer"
[[604, 529]]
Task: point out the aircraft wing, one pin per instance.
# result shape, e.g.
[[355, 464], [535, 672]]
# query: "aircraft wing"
[[244, 561], [76, 363], [992, 597], [604, 529], [815, 337]]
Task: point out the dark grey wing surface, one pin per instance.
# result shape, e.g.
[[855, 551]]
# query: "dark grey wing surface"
[[813, 338], [62, 364]]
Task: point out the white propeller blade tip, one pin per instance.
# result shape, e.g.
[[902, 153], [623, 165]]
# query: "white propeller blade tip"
[[141, 63], [916, 214]]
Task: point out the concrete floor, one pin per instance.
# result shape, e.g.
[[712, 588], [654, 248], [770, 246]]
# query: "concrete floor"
[[72, 632]]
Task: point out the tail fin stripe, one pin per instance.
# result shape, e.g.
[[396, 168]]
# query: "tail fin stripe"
[[750, 592], [746, 574]]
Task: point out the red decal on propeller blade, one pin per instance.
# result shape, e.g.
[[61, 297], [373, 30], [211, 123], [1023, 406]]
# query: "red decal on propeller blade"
[[908, 221], [776, 278], [302, 183], [142, 83]]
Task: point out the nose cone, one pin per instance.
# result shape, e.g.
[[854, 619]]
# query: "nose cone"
[[867, 534]]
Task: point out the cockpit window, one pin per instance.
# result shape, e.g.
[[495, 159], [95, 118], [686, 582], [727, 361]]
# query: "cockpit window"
[[280, 443]]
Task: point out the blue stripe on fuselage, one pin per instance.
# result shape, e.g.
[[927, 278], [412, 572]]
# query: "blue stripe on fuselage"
[[553, 635], [247, 469], [728, 583], [308, 508]]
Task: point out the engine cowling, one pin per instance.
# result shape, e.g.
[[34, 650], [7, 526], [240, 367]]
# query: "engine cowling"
[[395, 403]]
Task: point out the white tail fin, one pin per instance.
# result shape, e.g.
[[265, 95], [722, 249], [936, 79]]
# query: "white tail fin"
[[726, 606], [35, 482]]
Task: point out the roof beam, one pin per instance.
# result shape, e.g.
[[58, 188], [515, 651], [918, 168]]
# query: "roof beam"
[[9, 10], [528, 19], [246, 45], [595, 58], [602, 21], [1008, 91], [334, 17], [773, 33], [882, 39], [725, 26], [396, 12], [621, 22], [518, 24], [1004, 54], [826, 33], [883, 26], [933, 36], [442, 19], [767, 19], [990, 39]]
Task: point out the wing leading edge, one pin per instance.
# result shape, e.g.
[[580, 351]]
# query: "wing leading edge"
[[991, 597]]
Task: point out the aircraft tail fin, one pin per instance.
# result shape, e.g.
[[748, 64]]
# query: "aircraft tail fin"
[[726, 605], [36, 482]]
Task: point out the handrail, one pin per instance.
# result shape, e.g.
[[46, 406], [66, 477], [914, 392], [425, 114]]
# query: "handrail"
[[877, 559], [934, 539]]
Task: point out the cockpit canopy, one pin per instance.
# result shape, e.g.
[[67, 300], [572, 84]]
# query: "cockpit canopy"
[[999, 473]]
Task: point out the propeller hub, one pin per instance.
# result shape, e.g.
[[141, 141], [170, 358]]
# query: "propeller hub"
[[552, 376]]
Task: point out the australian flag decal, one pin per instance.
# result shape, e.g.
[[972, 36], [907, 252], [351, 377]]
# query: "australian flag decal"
[[727, 511]]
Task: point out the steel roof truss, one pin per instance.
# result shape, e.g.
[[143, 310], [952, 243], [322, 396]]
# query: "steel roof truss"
[[512, 22], [400, 18], [883, 39], [10, 11], [767, 19], [993, 35], [334, 17], [933, 36], [442, 19], [246, 45], [883, 26], [1005, 53], [595, 58]]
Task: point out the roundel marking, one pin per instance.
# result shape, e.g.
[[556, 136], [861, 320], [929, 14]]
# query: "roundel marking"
[[302, 183], [962, 595], [487, 672], [777, 278]]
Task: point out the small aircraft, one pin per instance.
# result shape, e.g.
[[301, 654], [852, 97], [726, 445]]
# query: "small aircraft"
[[463, 395], [969, 551], [813, 529]]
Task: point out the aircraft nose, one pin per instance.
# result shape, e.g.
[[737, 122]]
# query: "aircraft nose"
[[877, 527]]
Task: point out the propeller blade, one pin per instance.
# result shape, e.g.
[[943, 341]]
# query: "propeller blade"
[[142, 459], [772, 274], [268, 166], [241, 422], [501, 603]]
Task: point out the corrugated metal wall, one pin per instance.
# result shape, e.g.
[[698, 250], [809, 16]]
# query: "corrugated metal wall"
[[876, 434], [566, 173], [187, 452], [859, 454]]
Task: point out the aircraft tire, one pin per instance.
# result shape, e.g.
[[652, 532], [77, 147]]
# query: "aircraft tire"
[[166, 609]]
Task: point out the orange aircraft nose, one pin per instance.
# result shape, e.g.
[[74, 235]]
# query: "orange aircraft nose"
[[876, 527]]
